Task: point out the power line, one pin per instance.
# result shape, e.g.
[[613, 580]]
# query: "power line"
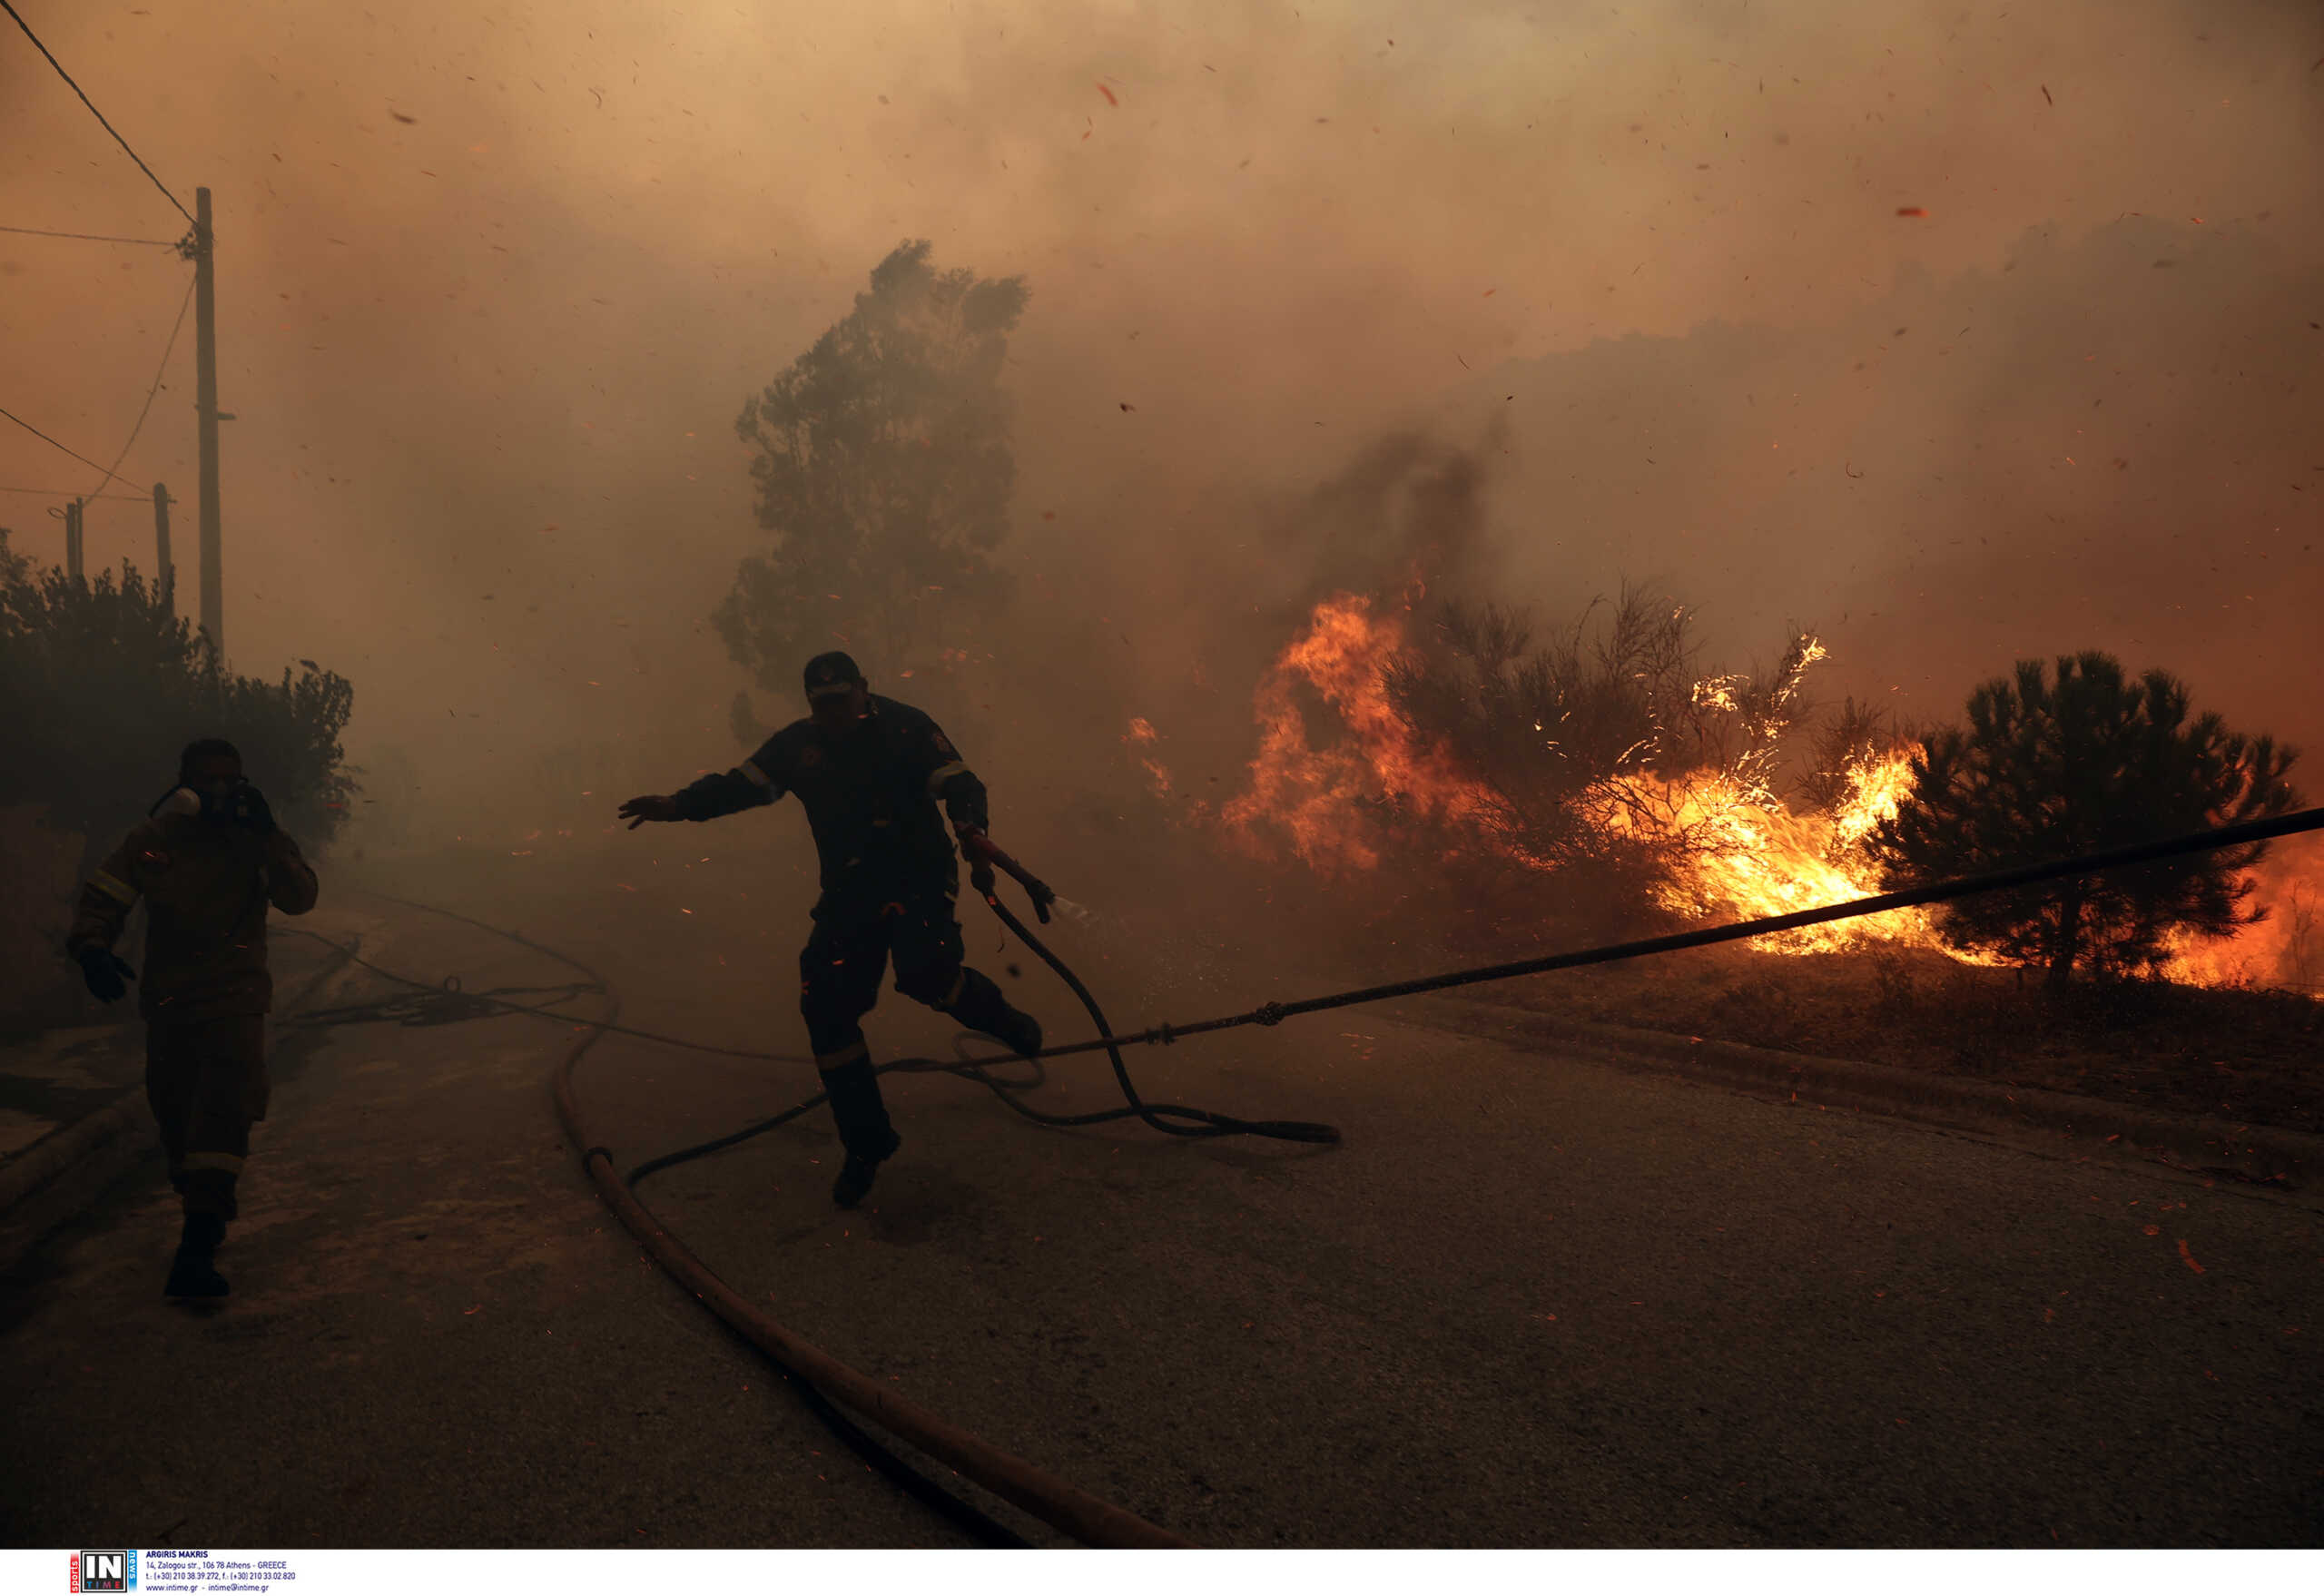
[[160, 372], [44, 437], [61, 493], [101, 238], [100, 115]]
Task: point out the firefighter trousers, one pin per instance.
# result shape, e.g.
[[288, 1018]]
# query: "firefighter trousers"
[[839, 972], [206, 1081]]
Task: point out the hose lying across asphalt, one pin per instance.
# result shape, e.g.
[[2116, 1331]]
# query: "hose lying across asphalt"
[[1050, 1498], [824, 1381]]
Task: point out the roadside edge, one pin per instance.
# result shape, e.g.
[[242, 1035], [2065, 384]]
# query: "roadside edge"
[[2270, 1156]]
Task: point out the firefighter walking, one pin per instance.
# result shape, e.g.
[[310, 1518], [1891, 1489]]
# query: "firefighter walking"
[[868, 771], [206, 863]]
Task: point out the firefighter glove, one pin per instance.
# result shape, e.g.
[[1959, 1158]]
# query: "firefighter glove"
[[248, 807], [105, 972], [979, 851]]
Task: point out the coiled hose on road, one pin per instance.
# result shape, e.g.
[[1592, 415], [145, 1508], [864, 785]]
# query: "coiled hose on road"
[[1054, 1501]]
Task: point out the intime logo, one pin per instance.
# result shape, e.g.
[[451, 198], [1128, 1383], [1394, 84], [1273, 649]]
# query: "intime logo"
[[105, 1571]]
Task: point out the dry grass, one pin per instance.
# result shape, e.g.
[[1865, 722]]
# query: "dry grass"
[[2249, 1056]]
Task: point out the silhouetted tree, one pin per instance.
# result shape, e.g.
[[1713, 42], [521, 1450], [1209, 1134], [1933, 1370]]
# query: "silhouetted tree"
[[101, 685], [884, 471], [2055, 764]]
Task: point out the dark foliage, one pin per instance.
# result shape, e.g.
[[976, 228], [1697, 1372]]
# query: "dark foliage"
[[884, 471], [101, 685]]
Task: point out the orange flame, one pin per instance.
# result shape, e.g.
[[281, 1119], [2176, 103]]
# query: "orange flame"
[[1746, 857], [1743, 854], [1315, 799], [2284, 950]]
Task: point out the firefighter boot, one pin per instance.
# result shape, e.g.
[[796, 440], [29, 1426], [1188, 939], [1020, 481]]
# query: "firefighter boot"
[[192, 1273], [982, 1008], [863, 1129]]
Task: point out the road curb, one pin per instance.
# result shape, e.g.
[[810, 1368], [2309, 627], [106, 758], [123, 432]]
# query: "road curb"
[[69, 1168], [2271, 1155]]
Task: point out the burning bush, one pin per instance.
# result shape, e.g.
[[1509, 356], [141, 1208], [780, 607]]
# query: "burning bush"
[[1599, 758], [1601, 748], [2052, 765], [1598, 780], [1855, 748]]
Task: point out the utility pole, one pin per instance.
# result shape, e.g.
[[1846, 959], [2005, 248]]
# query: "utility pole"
[[205, 407], [162, 571], [73, 540]]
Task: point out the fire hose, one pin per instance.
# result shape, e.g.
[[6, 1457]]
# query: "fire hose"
[[1053, 1501]]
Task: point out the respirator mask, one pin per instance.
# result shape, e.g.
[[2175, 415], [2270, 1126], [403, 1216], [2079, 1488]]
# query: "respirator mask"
[[214, 801]]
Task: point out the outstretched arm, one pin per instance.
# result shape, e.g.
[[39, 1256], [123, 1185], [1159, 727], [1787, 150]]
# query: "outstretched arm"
[[747, 786]]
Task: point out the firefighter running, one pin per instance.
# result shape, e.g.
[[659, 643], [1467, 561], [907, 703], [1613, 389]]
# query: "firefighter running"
[[868, 771], [207, 864]]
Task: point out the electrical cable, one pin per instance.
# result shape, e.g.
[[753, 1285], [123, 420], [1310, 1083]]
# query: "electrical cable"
[[100, 115], [159, 372], [43, 437], [95, 238], [86, 498]]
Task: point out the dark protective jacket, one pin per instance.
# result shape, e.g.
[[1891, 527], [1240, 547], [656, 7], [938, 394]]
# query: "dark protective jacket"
[[206, 888], [870, 793]]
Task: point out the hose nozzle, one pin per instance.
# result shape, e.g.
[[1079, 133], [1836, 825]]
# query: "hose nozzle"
[[983, 854]]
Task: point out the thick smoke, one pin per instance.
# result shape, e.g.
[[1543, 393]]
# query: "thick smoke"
[[1622, 292]]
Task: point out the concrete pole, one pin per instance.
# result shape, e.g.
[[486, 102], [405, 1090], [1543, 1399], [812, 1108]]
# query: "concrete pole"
[[162, 571], [205, 408]]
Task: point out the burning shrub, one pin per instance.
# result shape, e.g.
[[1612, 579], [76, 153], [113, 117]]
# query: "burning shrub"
[[1852, 749], [2084, 759], [1599, 759], [1605, 756]]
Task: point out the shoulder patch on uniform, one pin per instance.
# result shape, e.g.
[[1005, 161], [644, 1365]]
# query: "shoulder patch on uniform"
[[943, 745]]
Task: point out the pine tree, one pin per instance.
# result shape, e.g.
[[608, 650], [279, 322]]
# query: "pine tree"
[[2053, 764]]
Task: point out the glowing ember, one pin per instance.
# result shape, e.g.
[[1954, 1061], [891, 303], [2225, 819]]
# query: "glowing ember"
[[1142, 734]]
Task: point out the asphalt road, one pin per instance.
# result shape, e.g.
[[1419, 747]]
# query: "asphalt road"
[[1533, 1301]]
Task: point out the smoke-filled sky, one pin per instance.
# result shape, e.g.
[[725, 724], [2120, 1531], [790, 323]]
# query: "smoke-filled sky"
[[494, 280]]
